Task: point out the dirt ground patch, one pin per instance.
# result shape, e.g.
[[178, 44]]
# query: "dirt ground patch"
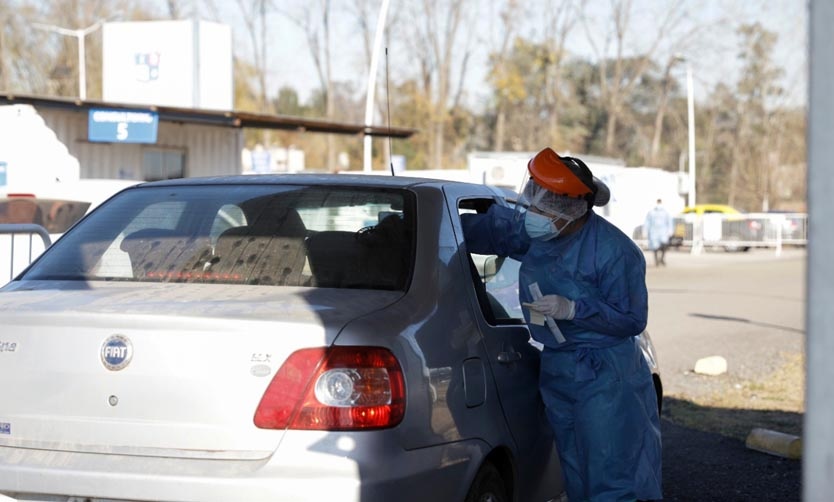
[[733, 407]]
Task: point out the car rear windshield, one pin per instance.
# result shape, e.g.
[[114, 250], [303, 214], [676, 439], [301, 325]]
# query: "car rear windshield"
[[53, 214], [272, 235]]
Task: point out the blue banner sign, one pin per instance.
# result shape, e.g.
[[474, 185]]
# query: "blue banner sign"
[[3, 173], [122, 126]]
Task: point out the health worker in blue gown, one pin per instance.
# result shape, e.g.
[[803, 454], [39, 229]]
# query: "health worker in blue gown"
[[583, 288]]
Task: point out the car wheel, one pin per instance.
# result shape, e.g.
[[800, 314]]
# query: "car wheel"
[[488, 486]]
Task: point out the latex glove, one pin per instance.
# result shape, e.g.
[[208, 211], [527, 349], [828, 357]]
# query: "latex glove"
[[555, 306]]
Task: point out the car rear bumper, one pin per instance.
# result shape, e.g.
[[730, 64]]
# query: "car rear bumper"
[[333, 467]]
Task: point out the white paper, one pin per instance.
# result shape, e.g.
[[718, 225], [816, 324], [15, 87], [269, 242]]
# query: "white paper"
[[536, 318], [536, 293]]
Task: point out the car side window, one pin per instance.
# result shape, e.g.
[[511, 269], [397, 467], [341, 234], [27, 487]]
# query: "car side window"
[[495, 278]]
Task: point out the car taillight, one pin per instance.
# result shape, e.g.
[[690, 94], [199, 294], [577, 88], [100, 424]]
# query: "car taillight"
[[340, 388]]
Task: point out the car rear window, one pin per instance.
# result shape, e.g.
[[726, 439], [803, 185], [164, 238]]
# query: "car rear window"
[[273, 235], [53, 214]]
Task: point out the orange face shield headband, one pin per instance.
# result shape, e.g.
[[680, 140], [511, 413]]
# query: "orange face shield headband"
[[562, 175]]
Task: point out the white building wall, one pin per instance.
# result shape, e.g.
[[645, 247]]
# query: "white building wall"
[[209, 150]]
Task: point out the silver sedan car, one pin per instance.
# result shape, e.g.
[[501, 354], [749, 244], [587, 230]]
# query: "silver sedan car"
[[297, 337]]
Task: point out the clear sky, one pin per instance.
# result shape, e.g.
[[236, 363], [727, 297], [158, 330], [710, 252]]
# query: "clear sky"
[[712, 55]]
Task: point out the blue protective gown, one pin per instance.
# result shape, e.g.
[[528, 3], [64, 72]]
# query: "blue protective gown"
[[596, 386], [658, 227]]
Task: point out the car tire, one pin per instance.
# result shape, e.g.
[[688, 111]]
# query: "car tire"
[[488, 486], [736, 249], [731, 247], [658, 391]]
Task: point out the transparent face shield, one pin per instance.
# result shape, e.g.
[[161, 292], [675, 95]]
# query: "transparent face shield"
[[558, 210], [532, 196]]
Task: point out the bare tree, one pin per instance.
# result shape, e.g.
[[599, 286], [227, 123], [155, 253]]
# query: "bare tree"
[[559, 18], [4, 70], [20, 71], [620, 73], [660, 112], [54, 69], [683, 42], [174, 10], [441, 40], [509, 20], [254, 14], [314, 20]]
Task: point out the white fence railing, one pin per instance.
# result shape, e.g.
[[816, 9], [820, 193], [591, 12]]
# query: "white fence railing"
[[737, 232], [20, 243]]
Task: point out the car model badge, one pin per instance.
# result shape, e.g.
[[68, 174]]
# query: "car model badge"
[[116, 352]]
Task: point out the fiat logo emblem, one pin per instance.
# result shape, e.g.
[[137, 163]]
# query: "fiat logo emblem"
[[116, 352]]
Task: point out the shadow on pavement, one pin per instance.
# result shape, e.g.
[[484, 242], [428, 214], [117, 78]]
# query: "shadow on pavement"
[[731, 422], [699, 465]]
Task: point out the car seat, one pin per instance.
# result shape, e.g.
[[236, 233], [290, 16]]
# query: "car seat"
[[163, 254], [374, 257], [270, 250]]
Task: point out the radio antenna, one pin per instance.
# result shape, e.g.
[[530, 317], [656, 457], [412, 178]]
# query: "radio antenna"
[[388, 104]]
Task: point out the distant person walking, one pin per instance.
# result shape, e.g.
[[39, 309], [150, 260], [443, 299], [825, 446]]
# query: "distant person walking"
[[658, 227]]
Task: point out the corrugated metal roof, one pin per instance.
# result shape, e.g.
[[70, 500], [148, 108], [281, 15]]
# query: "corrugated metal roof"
[[237, 119]]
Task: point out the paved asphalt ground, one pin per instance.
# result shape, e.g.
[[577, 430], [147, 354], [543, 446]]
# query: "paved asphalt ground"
[[750, 309]]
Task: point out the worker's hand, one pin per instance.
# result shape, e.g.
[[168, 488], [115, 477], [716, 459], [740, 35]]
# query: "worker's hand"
[[555, 306]]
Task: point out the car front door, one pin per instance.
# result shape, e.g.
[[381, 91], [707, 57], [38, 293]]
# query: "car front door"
[[513, 360]]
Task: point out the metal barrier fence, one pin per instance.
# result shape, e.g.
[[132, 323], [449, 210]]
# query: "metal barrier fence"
[[737, 232], [18, 247]]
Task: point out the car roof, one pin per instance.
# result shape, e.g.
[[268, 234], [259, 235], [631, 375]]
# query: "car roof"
[[308, 179]]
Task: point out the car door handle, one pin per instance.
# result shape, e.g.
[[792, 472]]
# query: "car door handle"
[[509, 357]]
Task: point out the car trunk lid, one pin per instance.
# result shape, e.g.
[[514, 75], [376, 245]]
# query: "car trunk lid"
[[155, 369]]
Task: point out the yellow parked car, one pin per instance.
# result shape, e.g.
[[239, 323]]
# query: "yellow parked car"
[[749, 232], [710, 208]]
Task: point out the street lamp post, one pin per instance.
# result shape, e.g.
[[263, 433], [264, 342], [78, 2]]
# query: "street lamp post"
[[690, 125], [369, 103], [80, 35]]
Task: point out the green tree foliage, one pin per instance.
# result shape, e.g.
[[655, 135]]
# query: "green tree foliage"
[[745, 134], [411, 107], [750, 136]]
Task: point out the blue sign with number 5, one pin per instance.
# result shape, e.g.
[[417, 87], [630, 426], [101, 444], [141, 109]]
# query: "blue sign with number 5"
[[107, 125]]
